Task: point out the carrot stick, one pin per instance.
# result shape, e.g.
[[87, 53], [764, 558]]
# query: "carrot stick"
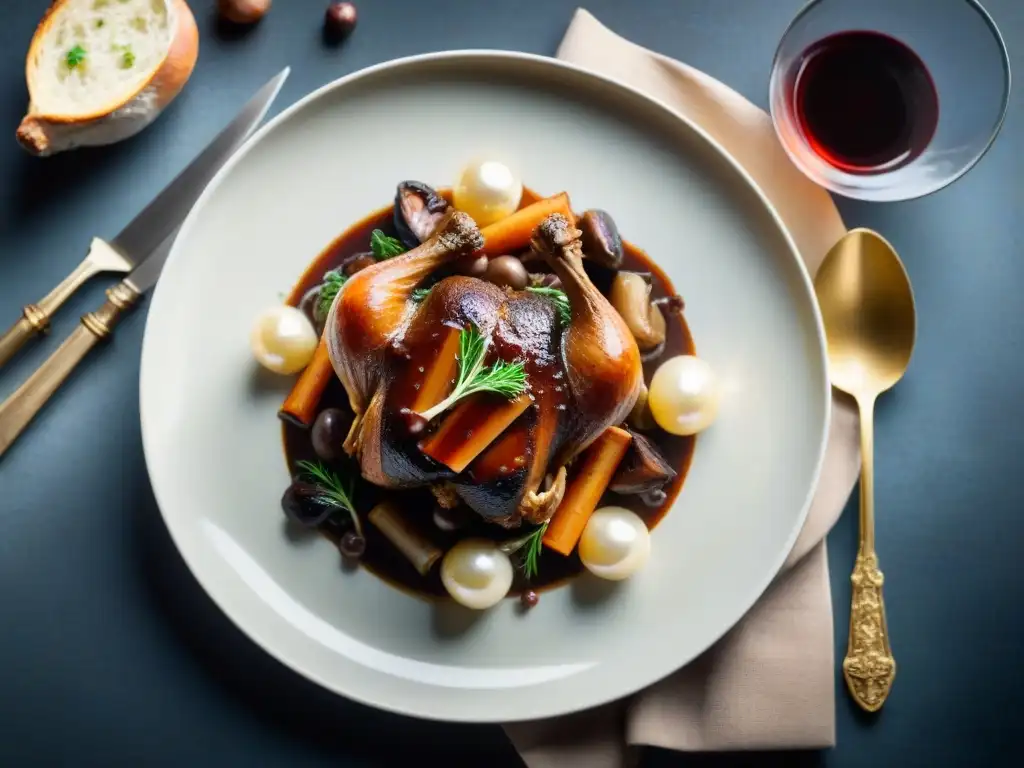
[[584, 491], [437, 382], [470, 428], [513, 233], [299, 407]]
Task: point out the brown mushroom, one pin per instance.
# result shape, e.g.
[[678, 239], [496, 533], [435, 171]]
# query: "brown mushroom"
[[642, 470], [357, 262], [631, 296], [641, 417], [601, 240]]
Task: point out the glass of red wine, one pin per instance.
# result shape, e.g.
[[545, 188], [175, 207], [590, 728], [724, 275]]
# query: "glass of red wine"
[[889, 99]]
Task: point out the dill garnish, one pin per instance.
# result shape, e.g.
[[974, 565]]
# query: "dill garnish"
[[530, 546], [334, 493], [505, 379]]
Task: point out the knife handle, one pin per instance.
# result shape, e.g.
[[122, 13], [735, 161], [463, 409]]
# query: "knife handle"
[[36, 317], [21, 407]]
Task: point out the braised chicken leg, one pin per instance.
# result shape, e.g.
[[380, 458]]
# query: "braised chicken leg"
[[601, 358]]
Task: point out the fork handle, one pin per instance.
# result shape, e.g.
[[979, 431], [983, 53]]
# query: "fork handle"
[[102, 257], [21, 407], [32, 321]]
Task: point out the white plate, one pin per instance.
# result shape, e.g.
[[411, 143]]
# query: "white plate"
[[212, 439]]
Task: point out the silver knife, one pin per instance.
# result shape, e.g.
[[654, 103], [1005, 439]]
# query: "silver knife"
[[147, 242], [147, 230]]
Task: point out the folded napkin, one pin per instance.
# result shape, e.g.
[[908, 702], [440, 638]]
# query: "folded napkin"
[[770, 682]]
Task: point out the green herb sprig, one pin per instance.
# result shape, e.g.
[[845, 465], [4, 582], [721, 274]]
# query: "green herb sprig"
[[333, 280], [561, 301], [530, 546], [505, 379], [384, 246], [75, 56], [334, 492], [420, 294]]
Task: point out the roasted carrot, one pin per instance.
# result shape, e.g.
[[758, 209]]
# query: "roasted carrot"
[[473, 425], [513, 233], [437, 382], [590, 479], [299, 407]]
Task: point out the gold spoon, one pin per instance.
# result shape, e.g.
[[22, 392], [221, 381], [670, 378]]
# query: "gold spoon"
[[868, 309]]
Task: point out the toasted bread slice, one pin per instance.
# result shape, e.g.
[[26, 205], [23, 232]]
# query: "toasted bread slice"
[[99, 71]]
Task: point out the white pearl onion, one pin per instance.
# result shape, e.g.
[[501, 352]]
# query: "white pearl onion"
[[476, 573], [684, 395], [488, 191], [283, 339], [615, 544]]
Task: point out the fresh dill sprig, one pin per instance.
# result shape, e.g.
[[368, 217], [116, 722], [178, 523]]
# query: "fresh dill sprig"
[[383, 246], [560, 300], [505, 379], [531, 553], [420, 294], [531, 545], [333, 280], [334, 492]]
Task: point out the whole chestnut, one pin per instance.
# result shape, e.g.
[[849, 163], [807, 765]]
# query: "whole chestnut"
[[529, 599], [340, 19], [305, 504], [472, 265], [329, 432], [243, 11], [507, 271], [352, 545]]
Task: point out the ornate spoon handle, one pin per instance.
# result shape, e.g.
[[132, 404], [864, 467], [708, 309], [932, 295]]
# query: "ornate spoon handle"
[[869, 667]]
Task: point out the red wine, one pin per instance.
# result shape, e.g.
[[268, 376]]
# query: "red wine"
[[864, 101]]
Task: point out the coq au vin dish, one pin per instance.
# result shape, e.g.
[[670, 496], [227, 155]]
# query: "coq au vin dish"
[[494, 392]]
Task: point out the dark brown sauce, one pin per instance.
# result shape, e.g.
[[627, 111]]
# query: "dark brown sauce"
[[381, 557]]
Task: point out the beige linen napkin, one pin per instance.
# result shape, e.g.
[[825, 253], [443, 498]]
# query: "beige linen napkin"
[[770, 682]]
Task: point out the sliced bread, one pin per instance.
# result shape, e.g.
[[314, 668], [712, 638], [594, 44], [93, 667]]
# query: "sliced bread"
[[99, 71]]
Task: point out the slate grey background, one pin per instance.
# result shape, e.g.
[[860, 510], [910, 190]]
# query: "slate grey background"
[[110, 654]]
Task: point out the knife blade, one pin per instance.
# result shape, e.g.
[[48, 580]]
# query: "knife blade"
[[147, 240], [151, 226], [169, 208]]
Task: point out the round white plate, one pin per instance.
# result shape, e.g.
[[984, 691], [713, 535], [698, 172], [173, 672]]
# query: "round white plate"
[[213, 443]]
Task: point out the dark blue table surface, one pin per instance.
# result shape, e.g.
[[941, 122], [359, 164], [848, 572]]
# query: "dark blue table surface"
[[111, 654]]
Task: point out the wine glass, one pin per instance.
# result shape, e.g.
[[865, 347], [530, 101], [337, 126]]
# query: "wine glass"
[[889, 99]]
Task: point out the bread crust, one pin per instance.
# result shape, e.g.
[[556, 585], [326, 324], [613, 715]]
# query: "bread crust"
[[46, 134]]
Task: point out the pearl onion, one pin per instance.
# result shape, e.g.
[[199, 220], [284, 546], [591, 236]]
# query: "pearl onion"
[[488, 191], [283, 340], [615, 544], [476, 573], [684, 395]]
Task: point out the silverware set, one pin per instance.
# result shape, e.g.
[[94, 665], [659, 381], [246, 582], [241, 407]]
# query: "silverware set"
[[140, 249]]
